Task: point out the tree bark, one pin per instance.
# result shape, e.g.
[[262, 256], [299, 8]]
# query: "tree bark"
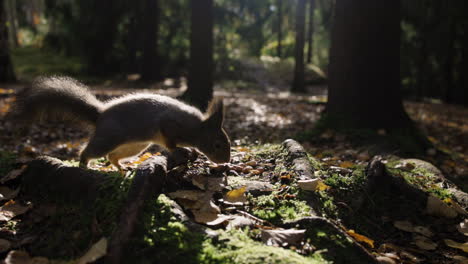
[[150, 65], [6, 67], [298, 82], [279, 25], [364, 84], [310, 31], [11, 17], [200, 77]]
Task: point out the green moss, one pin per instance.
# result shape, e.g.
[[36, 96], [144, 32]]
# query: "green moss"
[[237, 248], [276, 209], [421, 178], [267, 150]]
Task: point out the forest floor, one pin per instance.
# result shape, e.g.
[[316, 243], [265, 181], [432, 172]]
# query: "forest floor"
[[266, 192], [257, 209]]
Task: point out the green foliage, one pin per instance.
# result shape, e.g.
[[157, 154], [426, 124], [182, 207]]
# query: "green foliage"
[[277, 210], [30, 62], [235, 247]]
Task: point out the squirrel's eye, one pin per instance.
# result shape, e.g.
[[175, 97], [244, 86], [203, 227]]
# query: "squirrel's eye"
[[217, 145]]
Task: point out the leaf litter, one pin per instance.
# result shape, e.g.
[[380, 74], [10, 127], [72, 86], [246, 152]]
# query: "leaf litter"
[[271, 120]]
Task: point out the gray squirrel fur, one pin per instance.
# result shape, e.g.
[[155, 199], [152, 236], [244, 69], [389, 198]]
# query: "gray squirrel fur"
[[127, 125]]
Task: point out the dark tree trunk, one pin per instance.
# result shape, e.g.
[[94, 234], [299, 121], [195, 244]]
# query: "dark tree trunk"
[[150, 65], [463, 87], [364, 84], [449, 61], [6, 67], [298, 82], [200, 77], [11, 16], [310, 31], [279, 25]]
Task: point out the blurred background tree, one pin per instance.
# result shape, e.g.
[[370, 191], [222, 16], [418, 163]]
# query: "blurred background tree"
[[253, 42]]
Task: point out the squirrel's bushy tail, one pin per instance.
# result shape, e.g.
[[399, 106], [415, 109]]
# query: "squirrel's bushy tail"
[[57, 98]]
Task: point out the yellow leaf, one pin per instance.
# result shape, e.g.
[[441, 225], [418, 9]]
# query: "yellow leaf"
[[453, 244], [236, 195], [322, 186], [361, 238], [346, 164], [242, 149]]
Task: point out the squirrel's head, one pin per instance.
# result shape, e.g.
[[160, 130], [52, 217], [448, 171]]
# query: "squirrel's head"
[[215, 143]]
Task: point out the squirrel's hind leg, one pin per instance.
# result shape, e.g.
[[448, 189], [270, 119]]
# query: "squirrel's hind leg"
[[125, 151]]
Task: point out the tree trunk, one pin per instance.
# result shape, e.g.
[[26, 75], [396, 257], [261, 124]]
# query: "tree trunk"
[[364, 84], [310, 32], [150, 65], [6, 67], [200, 77], [463, 87], [298, 82], [11, 17], [449, 61], [279, 26]]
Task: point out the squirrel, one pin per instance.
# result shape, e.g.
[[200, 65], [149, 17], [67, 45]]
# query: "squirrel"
[[127, 125]]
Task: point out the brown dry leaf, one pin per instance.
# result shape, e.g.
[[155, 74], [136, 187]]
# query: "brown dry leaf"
[[206, 213], [7, 193], [313, 185], [18, 257], [214, 184], [13, 174], [4, 245], [236, 195], [233, 221], [283, 237], [404, 225], [454, 244], [462, 227], [12, 209], [98, 250], [423, 231], [346, 164], [385, 260], [423, 242], [460, 259], [438, 208], [361, 238]]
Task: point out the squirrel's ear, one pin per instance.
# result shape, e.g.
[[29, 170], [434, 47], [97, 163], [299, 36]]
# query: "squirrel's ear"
[[215, 113]]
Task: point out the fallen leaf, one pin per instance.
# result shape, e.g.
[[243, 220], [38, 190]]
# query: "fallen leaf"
[[313, 185], [423, 231], [453, 244], [404, 225], [214, 184], [346, 164], [7, 193], [425, 243], [283, 237], [460, 259], [385, 260], [236, 195], [206, 213], [98, 250], [361, 238], [462, 227], [12, 209], [4, 245], [438, 208], [18, 257]]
